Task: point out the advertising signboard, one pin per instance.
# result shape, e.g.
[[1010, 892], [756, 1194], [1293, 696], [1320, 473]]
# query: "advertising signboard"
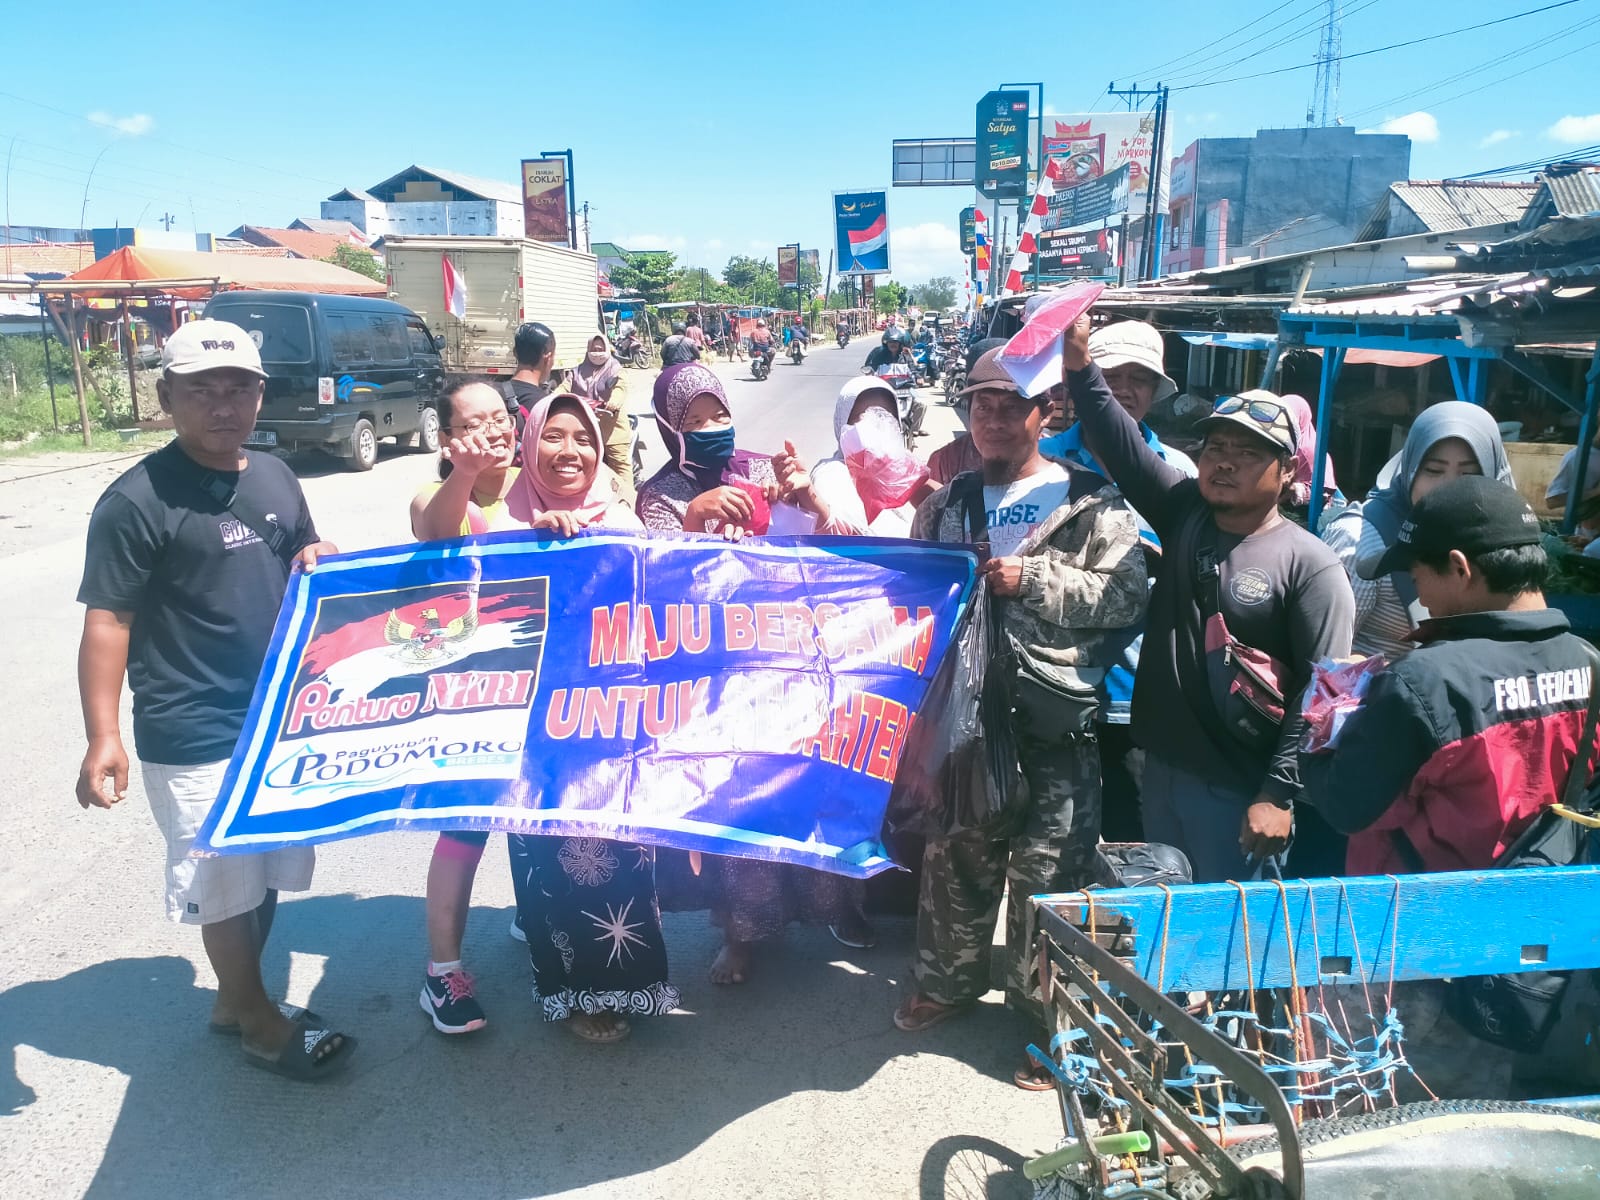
[[1088, 146], [1080, 252], [788, 265], [861, 232], [544, 200], [969, 229], [1002, 158], [1094, 200]]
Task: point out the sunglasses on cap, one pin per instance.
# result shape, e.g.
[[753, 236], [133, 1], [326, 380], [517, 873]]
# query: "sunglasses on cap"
[[1271, 416]]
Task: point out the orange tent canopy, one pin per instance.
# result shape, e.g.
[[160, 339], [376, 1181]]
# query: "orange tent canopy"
[[148, 265]]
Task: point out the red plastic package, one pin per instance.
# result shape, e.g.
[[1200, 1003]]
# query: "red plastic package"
[[761, 511], [1335, 691]]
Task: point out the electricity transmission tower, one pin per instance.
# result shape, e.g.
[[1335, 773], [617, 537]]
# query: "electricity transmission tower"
[[1325, 92]]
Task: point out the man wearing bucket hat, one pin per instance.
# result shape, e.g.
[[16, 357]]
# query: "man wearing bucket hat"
[[1129, 355], [1244, 603], [1061, 556], [187, 559]]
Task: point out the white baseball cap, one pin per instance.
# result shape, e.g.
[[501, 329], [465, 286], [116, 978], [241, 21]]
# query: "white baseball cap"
[[208, 346]]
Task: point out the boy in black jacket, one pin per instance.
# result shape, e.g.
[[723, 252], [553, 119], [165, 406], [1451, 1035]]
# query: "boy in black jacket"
[[1459, 745]]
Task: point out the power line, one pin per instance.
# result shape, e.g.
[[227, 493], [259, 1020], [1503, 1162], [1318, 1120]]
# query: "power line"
[[1434, 37], [1198, 51], [1205, 73], [1496, 60]]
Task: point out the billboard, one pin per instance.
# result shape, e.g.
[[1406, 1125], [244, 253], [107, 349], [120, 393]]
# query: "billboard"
[[1081, 252], [811, 262], [1002, 159], [1090, 201], [933, 162], [788, 265], [969, 229], [861, 232], [1089, 146], [544, 200]]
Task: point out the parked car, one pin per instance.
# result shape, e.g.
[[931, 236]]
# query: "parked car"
[[342, 372]]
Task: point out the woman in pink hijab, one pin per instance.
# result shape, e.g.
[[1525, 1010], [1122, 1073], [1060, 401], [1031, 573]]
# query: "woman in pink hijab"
[[563, 485], [1305, 459]]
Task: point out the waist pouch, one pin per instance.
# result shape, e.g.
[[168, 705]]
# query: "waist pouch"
[[1246, 686], [1049, 708]]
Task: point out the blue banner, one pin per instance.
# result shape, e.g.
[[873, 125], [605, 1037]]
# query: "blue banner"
[[749, 700], [861, 232]]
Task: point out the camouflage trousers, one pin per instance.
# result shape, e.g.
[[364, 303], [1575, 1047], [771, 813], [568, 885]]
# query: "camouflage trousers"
[[964, 877]]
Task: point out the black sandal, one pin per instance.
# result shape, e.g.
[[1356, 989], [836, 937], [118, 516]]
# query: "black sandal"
[[298, 1060]]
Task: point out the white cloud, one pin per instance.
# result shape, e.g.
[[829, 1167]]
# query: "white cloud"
[[134, 125], [714, 244], [1576, 131], [1498, 136], [920, 252], [1418, 126]]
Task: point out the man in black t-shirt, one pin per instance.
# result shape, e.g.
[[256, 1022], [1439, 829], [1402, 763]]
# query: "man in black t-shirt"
[[1236, 583], [188, 556], [535, 349]]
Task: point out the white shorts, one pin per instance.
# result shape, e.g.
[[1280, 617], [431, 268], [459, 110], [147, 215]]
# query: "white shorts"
[[203, 891]]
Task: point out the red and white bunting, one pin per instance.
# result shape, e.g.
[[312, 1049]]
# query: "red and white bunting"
[[1028, 240]]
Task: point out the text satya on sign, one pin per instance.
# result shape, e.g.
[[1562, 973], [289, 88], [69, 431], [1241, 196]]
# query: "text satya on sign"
[[752, 700]]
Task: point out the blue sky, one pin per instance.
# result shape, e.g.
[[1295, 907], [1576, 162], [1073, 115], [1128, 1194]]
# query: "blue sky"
[[709, 129]]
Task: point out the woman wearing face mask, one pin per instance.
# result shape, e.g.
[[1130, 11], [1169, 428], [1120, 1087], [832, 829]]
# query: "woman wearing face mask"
[[707, 486], [872, 484], [599, 380], [563, 488], [1448, 440]]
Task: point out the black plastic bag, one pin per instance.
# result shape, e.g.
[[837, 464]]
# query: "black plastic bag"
[[959, 772], [1140, 864]]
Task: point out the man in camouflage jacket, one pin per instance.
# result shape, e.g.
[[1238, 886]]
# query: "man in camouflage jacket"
[[1061, 554]]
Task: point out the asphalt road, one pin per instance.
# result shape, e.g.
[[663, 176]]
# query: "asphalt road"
[[794, 1085]]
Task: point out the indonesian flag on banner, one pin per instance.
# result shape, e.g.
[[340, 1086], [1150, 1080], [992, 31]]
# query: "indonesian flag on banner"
[[869, 240], [455, 289]]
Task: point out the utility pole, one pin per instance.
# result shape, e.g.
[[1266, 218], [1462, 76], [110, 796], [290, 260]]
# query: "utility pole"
[[166, 220], [1154, 219]]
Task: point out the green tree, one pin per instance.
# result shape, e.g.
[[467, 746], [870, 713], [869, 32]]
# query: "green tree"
[[754, 281], [358, 259], [938, 292], [697, 283], [891, 297], [650, 273]]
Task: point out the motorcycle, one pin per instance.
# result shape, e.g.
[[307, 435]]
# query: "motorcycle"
[[797, 351], [912, 411], [843, 338], [631, 352], [761, 360]]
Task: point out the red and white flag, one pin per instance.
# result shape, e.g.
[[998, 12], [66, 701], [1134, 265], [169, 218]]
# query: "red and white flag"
[[455, 290]]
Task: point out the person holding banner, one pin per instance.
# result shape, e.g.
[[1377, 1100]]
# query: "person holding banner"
[[188, 556], [1061, 554], [708, 486], [590, 972]]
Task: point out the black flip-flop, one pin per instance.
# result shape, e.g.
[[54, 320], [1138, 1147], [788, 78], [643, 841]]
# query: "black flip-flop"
[[298, 1059], [872, 939], [291, 1011]]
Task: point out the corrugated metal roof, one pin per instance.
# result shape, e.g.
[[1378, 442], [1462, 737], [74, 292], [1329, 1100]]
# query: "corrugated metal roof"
[[1446, 205], [487, 189], [1444, 297], [1575, 190], [45, 258]]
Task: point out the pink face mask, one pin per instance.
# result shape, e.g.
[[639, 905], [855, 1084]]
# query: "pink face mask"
[[883, 470]]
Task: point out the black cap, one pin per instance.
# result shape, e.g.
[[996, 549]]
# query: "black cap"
[[1472, 514]]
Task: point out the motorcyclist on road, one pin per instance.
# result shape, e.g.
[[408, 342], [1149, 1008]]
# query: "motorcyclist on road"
[[679, 348], [894, 348], [761, 339]]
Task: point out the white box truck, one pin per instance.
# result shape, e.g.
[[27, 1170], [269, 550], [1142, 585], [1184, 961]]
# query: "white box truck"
[[508, 281]]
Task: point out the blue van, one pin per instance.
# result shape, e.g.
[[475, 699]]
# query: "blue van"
[[342, 372]]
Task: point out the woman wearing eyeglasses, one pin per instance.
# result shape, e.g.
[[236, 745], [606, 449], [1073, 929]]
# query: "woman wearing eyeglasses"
[[562, 486]]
